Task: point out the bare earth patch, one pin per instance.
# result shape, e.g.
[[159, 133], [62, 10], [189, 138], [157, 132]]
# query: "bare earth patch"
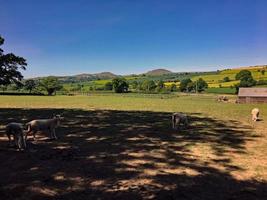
[[135, 155]]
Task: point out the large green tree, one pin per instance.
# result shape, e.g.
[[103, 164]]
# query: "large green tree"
[[30, 85], [243, 75], [134, 84], [160, 85], [201, 85], [184, 85], [10, 65], [120, 85], [50, 84], [246, 79], [148, 85]]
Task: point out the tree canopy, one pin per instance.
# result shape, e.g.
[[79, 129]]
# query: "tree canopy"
[[226, 79], [184, 84], [246, 79], [148, 85], [120, 85], [243, 74], [201, 85], [30, 85], [108, 86], [50, 84], [10, 65]]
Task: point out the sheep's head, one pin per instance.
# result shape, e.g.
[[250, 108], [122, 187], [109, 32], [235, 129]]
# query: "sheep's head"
[[58, 118]]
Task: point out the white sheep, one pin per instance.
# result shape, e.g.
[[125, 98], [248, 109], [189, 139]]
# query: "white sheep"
[[179, 118], [222, 98], [255, 114], [16, 130], [44, 125]]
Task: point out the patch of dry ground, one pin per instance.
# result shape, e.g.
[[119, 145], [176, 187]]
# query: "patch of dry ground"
[[107, 154]]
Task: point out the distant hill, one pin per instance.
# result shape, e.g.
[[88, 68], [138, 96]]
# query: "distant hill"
[[85, 77], [99, 76], [158, 72], [214, 78]]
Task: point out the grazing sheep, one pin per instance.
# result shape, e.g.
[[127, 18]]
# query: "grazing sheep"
[[255, 114], [44, 125], [16, 129], [179, 118], [222, 98]]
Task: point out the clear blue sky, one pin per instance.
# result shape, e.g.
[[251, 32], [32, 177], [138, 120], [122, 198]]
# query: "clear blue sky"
[[63, 37]]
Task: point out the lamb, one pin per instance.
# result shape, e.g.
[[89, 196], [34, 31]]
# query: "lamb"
[[255, 114], [222, 98], [44, 125], [179, 118], [16, 129]]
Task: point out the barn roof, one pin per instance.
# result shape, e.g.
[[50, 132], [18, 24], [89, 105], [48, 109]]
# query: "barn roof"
[[252, 92]]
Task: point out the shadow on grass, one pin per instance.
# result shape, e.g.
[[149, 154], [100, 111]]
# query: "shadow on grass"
[[127, 155]]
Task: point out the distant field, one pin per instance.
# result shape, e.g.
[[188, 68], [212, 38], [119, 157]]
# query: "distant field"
[[132, 101], [123, 146], [86, 85], [217, 90], [215, 80], [224, 84]]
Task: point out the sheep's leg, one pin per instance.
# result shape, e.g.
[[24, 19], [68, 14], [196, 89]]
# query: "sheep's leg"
[[16, 140], [51, 133], [185, 123], [177, 124], [9, 139], [254, 118], [34, 135], [173, 122], [19, 142], [23, 142], [54, 132]]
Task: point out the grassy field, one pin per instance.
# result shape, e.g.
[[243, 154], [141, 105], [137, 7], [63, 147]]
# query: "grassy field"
[[86, 85], [122, 146], [256, 73], [215, 80], [225, 90]]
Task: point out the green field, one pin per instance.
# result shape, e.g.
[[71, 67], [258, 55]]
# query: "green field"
[[122, 145], [215, 80], [204, 104], [225, 90]]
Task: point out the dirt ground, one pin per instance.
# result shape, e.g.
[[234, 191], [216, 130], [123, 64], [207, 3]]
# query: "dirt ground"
[[106, 154]]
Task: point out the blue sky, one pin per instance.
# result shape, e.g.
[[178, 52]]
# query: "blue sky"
[[64, 37]]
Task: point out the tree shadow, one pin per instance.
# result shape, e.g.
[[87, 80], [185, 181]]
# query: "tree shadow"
[[109, 154]]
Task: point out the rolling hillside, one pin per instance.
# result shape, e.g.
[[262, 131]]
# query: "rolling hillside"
[[213, 78], [216, 80], [158, 72]]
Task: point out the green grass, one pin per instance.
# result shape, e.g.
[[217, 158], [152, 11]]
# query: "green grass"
[[214, 80], [123, 146], [86, 85], [204, 104], [221, 90]]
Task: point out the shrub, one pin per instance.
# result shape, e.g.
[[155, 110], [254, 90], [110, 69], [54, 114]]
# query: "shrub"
[[108, 86], [148, 85], [226, 79]]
